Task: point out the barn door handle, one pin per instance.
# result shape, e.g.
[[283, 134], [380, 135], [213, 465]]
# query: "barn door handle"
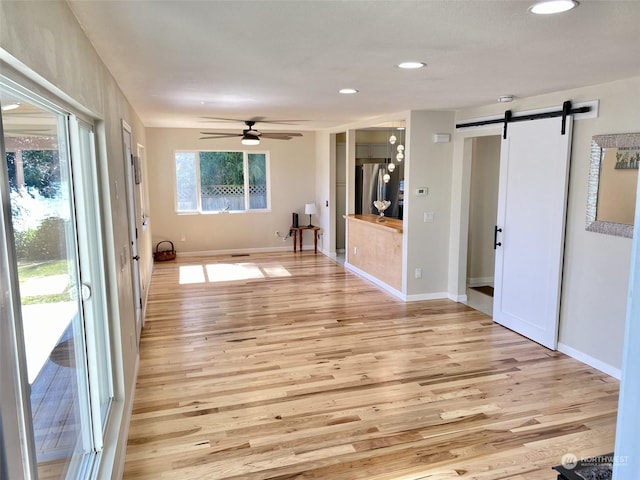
[[496, 243]]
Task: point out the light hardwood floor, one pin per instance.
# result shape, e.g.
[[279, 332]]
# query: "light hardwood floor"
[[300, 369]]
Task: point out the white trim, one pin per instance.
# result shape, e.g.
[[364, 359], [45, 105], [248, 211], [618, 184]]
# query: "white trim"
[[332, 256], [589, 360], [207, 253], [457, 298], [115, 437], [375, 281], [480, 281], [20, 74], [428, 296]]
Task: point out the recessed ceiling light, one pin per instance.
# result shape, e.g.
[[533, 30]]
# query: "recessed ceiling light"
[[505, 98], [10, 106], [411, 65], [347, 91], [549, 7]]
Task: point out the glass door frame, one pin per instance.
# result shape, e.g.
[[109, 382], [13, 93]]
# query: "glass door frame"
[[18, 443], [18, 457]]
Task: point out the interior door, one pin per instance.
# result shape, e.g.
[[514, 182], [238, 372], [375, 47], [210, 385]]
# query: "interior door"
[[133, 228], [532, 198]]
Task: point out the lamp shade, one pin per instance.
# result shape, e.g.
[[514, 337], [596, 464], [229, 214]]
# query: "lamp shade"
[[310, 209]]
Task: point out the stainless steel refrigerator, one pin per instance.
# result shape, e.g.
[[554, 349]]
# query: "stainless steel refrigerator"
[[371, 187]]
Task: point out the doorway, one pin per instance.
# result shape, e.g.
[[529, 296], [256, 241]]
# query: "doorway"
[[483, 208], [341, 191], [133, 209]]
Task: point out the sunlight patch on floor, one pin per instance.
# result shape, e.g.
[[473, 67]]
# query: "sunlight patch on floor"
[[276, 271], [229, 272], [191, 274]]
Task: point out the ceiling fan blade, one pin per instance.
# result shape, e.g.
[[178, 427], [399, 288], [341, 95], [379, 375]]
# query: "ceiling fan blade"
[[219, 135], [222, 119], [277, 122], [277, 138], [281, 134], [255, 120]]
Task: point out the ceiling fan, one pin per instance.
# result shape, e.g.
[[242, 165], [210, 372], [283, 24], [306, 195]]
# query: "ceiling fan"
[[250, 135]]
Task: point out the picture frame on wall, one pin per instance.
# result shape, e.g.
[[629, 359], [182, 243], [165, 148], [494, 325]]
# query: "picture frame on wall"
[[613, 177]]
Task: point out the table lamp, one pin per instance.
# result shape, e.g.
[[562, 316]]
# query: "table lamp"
[[310, 209]]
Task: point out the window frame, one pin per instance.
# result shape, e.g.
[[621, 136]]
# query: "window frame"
[[245, 166]]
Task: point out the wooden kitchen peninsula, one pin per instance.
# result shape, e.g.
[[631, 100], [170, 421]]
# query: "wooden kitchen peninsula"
[[376, 247]]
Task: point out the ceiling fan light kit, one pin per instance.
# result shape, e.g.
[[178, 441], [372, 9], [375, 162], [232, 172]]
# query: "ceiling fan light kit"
[[251, 136], [249, 139]]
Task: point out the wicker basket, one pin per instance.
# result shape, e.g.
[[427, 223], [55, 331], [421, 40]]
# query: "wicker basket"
[[164, 255]]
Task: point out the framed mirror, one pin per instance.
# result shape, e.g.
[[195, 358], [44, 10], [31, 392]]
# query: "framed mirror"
[[613, 179]]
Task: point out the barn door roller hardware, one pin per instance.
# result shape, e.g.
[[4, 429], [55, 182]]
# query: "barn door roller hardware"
[[510, 117]]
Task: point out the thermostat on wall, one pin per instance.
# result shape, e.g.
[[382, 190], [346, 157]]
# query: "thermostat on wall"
[[421, 191]]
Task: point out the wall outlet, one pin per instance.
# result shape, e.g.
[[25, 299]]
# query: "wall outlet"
[[428, 217], [418, 272], [355, 250], [421, 192], [183, 238]]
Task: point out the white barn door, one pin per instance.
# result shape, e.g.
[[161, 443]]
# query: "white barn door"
[[532, 199]]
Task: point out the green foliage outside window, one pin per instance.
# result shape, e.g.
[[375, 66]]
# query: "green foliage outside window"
[[221, 168], [221, 181]]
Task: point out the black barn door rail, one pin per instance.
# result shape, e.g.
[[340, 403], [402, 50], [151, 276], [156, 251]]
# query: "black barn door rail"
[[509, 117]]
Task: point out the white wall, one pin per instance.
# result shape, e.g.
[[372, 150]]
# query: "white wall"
[[293, 176], [49, 50], [325, 188], [428, 164], [596, 267]]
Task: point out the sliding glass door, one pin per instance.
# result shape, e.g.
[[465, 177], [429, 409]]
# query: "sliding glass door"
[[56, 275]]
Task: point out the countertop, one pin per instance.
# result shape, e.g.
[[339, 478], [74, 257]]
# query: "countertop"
[[388, 224]]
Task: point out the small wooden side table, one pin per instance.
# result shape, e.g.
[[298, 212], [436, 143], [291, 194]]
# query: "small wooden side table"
[[297, 236]]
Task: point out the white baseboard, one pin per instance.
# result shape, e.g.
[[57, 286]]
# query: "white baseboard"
[[396, 293], [206, 253], [457, 298], [589, 360], [426, 296], [115, 440], [480, 281], [374, 280]]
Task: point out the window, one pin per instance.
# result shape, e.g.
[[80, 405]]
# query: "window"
[[221, 181]]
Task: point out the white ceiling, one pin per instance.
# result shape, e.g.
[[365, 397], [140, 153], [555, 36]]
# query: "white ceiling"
[[180, 60]]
